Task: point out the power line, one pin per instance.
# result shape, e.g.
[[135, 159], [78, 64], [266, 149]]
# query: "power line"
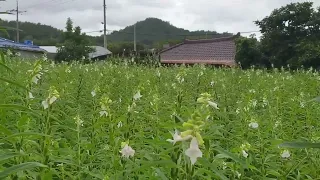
[[157, 34], [105, 23], [52, 2], [17, 19]]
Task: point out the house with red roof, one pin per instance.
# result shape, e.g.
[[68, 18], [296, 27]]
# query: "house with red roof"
[[217, 51]]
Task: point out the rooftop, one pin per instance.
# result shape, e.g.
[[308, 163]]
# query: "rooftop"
[[100, 51], [5, 43], [209, 51]]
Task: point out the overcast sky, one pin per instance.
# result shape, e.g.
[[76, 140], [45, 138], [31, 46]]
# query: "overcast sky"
[[218, 15]]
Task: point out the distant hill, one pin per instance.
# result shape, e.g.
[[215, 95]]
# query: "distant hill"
[[41, 34], [150, 32], [153, 30]]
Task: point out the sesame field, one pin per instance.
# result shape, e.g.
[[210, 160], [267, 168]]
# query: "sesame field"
[[119, 121]]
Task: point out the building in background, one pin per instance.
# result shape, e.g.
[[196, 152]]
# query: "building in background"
[[100, 53], [26, 50], [218, 51]]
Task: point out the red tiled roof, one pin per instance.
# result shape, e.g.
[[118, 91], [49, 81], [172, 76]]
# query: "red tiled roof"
[[209, 51]]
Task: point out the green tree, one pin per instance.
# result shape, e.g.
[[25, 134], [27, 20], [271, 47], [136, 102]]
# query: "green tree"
[[75, 45], [248, 52], [289, 32], [124, 48]]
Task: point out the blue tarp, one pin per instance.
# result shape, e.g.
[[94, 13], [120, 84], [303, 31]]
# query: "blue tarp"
[[6, 43]]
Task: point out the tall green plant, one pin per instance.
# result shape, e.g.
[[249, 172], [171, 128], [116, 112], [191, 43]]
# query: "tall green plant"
[[75, 46]]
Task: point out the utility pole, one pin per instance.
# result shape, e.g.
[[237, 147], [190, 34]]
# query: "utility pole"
[[105, 23], [17, 20], [134, 39]]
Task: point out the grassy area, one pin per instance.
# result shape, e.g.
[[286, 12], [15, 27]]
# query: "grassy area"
[[98, 109]]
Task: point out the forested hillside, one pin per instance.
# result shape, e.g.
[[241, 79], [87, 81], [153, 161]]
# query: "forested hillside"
[[151, 32], [41, 34]]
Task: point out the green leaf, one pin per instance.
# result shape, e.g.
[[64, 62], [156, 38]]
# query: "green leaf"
[[94, 174], [2, 58], [8, 156], [5, 130], [213, 168], [20, 167], [163, 163], [231, 156], [274, 173], [6, 67], [13, 83], [47, 175], [18, 107], [161, 174], [317, 99], [25, 134], [178, 118], [300, 145]]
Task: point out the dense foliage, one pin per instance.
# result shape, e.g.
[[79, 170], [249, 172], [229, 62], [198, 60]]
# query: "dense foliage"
[[290, 36], [113, 121], [40, 34], [74, 46], [248, 52], [124, 48], [152, 31]]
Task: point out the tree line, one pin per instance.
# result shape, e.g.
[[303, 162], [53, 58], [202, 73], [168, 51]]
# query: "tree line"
[[290, 37]]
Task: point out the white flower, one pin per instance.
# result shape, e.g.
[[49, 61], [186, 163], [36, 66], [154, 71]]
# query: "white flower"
[[93, 93], [200, 74], [265, 102], [224, 165], [30, 95], [254, 103], [48, 102], [176, 137], [213, 104], [181, 80], [193, 152], [103, 113], [45, 58], [127, 151], [244, 154], [9, 53], [254, 125], [68, 70], [45, 104], [158, 73], [78, 121], [238, 174], [212, 83], [52, 99], [36, 78], [137, 96], [285, 154], [119, 124]]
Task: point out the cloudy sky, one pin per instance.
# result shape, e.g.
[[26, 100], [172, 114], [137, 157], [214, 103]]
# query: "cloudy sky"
[[219, 15]]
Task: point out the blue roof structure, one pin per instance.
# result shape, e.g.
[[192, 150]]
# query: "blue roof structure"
[[6, 43]]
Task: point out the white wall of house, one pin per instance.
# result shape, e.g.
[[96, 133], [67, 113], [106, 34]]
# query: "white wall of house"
[[30, 54]]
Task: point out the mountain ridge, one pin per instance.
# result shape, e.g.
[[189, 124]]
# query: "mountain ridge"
[[149, 32]]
